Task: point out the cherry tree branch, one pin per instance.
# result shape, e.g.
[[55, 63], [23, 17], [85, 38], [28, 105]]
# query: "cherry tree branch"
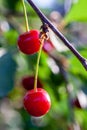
[[45, 20]]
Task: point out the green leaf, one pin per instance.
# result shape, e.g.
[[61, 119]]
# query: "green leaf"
[[76, 67], [11, 37], [11, 5], [77, 12], [7, 71]]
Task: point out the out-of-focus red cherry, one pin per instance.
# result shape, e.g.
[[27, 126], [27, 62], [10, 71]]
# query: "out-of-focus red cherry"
[[48, 46], [37, 103], [76, 103], [28, 82], [28, 42], [80, 101]]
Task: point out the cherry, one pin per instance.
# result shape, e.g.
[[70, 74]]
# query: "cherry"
[[28, 82], [37, 103], [48, 46], [28, 42], [76, 103], [80, 101]]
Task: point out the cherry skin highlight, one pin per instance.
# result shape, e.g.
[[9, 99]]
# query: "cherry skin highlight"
[[28, 42], [37, 103], [28, 82]]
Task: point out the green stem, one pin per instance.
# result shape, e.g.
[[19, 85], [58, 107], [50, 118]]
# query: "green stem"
[[25, 14], [37, 66]]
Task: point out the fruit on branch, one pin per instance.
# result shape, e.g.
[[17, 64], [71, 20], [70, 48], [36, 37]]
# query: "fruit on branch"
[[37, 103], [48, 46], [28, 82], [28, 42]]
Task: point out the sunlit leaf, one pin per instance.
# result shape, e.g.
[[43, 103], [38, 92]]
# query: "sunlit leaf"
[[77, 12]]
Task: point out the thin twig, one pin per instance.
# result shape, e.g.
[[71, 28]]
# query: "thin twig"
[[44, 19]]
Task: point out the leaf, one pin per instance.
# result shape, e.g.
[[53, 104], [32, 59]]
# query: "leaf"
[[75, 66], [77, 12], [7, 73], [9, 34], [11, 5]]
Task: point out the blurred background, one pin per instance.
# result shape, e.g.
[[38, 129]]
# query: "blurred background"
[[60, 72]]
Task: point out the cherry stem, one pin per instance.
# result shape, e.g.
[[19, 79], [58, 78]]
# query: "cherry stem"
[[44, 19], [37, 64], [25, 14]]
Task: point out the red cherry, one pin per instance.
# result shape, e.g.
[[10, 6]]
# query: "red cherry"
[[37, 103], [28, 42], [70, 127], [48, 46], [28, 82], [76, 103]]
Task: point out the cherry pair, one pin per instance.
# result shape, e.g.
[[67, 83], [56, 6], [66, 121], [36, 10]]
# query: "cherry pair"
[[36, 102]]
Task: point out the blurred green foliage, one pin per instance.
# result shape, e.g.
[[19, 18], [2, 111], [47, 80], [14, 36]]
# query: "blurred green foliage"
[[62, 85], [77, 12], [7, 71]]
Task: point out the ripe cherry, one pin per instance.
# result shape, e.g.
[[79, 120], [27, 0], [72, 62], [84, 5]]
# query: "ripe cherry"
[[28, 82], [48, 46], [28, 42], [76, 103], [80, 101], [37, 103]]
